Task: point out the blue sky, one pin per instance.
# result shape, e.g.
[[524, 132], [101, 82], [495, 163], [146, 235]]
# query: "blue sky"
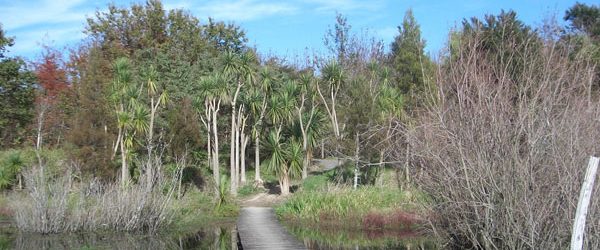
[[283, 28]]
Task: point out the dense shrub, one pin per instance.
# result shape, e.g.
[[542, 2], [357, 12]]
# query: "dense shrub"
[[503, 151], [13, 161]]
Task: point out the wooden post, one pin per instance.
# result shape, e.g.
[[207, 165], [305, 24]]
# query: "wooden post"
[[582, 206], [356, 164]]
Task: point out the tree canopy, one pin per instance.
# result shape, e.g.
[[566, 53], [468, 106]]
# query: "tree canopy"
[[17, 92]]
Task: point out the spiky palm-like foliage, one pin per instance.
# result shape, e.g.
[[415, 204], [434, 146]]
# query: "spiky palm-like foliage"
[[284, 159]]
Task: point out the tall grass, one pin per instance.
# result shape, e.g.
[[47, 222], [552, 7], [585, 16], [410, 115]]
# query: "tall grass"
[[50, 206], [339, 203]]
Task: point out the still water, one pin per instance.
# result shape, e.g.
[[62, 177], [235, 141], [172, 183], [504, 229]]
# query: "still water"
[[328, 238], [219, 237], [216, 237]]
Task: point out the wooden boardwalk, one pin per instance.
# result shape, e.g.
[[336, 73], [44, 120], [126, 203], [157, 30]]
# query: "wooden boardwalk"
[[259, 229]]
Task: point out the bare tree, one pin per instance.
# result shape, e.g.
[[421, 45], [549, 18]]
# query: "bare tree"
[[502, 152]]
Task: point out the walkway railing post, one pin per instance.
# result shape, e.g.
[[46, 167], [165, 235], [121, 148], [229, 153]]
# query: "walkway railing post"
[[582, 206]]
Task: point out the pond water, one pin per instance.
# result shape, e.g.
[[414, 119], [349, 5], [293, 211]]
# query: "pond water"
[[327, 238], [223, 236], [218, 237]]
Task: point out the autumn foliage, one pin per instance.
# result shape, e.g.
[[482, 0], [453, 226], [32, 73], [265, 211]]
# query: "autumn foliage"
[[52, 97], [52, 76]]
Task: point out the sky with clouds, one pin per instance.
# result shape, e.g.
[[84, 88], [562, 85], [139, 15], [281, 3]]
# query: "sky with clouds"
[[276, 27]]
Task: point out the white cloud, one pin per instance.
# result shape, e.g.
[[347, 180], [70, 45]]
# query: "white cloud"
[[20, 14], [29, 42], [243, 10], [344, 5], [49, 22]]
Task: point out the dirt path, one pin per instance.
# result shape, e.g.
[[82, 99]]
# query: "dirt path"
[[262, 200]]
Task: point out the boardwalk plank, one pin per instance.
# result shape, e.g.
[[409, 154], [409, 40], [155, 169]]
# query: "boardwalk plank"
[[259, 229]]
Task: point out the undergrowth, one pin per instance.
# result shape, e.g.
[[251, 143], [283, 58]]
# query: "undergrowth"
[[343, 206]]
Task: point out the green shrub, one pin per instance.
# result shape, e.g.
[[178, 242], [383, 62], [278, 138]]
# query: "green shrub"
[[342, 203], [11, 163], [227, 210]]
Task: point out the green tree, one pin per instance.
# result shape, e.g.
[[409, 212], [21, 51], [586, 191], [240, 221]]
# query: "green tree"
[[158, 97], [91, 122], [226, 37], [212, 92], [284, 154], [248, 71], [123, 99], [333, 77], [409, 63], [16, 96], [501, 38], [240, 69], [175, 44], [284, 159], [257, 104], [309, 118], [586, 19]]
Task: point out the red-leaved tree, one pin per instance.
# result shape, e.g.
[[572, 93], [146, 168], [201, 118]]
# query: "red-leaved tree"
[[51, 98]]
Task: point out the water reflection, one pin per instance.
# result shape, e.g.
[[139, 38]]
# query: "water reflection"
[[328, 238], [222, 237], [219, 237]]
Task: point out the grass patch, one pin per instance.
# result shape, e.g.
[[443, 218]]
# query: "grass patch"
[[367, 207], [315, 183], [249, 189]]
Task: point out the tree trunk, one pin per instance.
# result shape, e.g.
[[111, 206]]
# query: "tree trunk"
[[38, 144], [149, 146], [208, 145], [232, 169], [117, 143], [207, 120], [243, 144], [356, 170], [124, 168], [237, 151], [305, 167], [308, 160], [336, 126], [284, 184], [381, 167], [331, 110], [215, 154], [257, 179], [243, 158], [233, 145]]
